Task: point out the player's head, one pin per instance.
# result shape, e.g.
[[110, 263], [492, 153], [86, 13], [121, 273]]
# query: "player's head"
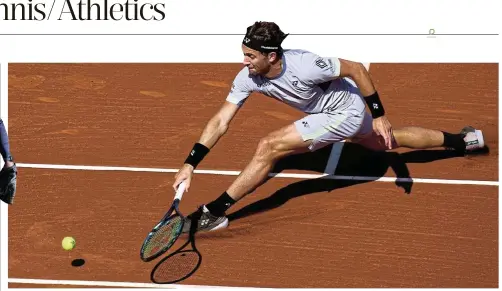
[[262, 47]]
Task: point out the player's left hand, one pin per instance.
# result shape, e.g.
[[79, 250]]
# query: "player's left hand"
[[382, 127]]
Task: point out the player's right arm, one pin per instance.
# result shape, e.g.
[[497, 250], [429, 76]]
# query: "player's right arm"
[[216, 127], [218, 124]]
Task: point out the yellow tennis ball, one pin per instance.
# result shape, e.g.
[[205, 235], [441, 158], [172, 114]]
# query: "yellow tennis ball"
[[68, 243]]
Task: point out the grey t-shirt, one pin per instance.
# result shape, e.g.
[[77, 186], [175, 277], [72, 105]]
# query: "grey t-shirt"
[[308, 82]]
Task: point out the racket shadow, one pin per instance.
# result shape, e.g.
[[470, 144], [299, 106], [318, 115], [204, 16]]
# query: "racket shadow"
[[182, 263], [355, 160]]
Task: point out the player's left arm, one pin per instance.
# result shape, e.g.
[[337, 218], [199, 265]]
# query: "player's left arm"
[[357, 72], [323, 69]]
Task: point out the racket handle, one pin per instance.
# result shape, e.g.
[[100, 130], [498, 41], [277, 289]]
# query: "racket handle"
[[180, 190]]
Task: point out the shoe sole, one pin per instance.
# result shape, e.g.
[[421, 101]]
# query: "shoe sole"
[[481, 140], [223, 224]]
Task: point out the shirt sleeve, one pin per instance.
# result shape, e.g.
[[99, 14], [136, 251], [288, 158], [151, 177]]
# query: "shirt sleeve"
[[320, 69], [240, 90]]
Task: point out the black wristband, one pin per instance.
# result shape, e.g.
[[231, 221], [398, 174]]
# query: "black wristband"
[[375, 105], [199, 151]]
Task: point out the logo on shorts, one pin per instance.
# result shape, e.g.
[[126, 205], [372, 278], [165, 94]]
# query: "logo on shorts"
[[305, 124]]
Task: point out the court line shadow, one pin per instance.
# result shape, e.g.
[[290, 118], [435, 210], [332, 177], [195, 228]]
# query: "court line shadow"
[[354, 161]]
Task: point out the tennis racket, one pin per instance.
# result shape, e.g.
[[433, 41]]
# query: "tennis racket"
[[166, 232], [180, 264]]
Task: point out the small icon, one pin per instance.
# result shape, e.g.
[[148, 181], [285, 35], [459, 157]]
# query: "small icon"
[[432, 33]]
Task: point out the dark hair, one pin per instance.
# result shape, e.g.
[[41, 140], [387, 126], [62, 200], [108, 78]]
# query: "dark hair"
[[267, 32]]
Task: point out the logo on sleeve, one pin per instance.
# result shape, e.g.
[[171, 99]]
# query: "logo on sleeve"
[[331, 66], [320, 63]]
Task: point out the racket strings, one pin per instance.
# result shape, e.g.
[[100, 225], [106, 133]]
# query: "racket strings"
[[177, 267], [166, 235]]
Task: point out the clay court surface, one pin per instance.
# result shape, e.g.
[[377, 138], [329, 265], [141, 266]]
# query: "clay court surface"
[[293, 231]]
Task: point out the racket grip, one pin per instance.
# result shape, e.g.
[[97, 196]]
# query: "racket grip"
[[180, 190]]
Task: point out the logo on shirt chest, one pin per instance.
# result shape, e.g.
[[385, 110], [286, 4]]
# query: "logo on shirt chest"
[[298, 85]]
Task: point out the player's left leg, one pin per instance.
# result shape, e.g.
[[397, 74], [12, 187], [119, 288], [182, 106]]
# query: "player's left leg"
[[467, 140]]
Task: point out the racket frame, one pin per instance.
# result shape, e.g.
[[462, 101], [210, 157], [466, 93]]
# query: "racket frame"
[[170, 214], [180, 250]]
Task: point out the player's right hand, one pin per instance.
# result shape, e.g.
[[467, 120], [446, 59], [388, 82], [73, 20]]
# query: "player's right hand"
[[184, 174]]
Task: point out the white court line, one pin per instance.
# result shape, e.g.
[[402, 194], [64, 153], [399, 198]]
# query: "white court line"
[[337, 148], [334, 158], [280, 175], [116, 284]]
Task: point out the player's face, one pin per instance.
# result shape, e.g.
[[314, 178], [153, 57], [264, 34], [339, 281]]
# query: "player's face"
[[257, 63]]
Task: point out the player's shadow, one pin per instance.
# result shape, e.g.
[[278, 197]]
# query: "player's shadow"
[[355, 160]]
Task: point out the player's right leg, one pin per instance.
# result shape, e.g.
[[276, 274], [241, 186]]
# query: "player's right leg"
[[310, 133], [276, 145]]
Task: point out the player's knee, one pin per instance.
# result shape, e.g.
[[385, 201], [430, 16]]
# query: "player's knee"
[[268, 148]]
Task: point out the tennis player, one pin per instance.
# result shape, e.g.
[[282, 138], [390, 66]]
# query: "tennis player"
[[333, 93], [8, 174]]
